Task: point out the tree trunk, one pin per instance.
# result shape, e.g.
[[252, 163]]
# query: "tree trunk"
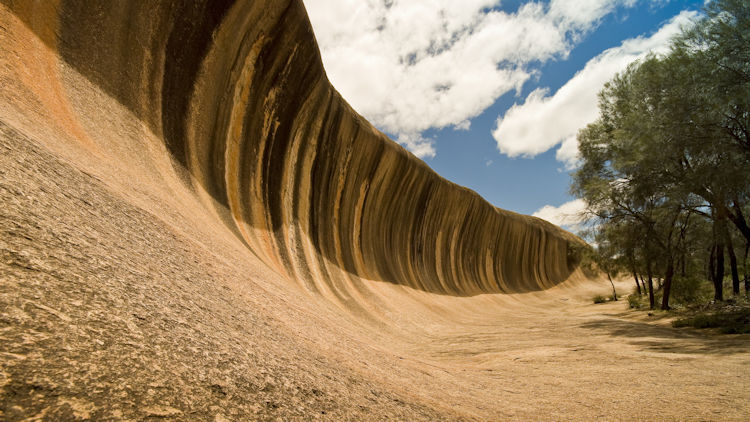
[[614, 292], [643, 284], [717, 270], [719, 276], [667, 284], [739, 219], [637, 284], [650, 286], [733, 266], [635, 273], [712, 263], [747, 272], [683, 269]]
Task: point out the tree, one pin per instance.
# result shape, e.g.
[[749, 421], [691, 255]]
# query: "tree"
[[624, 179], [717, 51], [608, 258], [671, 147]]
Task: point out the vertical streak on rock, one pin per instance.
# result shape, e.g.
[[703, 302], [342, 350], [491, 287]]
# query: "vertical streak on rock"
[[238, 95]]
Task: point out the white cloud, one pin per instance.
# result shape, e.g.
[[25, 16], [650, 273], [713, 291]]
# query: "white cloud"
[[409, 66], [417, 144], [568, 215], [545, 120]]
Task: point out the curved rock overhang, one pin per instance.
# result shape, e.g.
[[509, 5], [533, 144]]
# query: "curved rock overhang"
[[238, 95]]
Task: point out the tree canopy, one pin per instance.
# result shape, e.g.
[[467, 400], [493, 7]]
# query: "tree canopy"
[[669, 155]]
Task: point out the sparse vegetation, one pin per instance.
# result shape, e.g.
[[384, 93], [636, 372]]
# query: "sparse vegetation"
[[635, 301], [603, 299], [727, 322]]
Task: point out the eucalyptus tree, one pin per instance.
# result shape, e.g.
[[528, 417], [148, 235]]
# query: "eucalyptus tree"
[[653, 159], [716, 52], [615, 180], [671, 145]]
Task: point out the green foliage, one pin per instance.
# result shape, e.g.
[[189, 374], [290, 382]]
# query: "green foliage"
[[636, 301], [691, 288], [666, 166], [599, 299], [578, 255], [718, 48], [735, 322]]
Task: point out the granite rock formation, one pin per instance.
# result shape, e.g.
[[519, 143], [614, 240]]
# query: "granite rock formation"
[[238, 95]]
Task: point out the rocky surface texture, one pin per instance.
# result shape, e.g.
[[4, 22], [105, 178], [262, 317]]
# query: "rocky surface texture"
[[238, 95], [196, 226]]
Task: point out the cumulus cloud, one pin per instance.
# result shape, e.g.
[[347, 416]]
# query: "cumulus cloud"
[[416, 143], [544, 120], [409, 66], [568, 215]]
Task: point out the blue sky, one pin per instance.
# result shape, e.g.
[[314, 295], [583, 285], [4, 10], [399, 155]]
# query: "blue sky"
[[490, 94]]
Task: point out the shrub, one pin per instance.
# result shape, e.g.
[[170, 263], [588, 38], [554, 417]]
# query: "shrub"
[[635, 301], [599, 299], [737, 322], [689, 289]]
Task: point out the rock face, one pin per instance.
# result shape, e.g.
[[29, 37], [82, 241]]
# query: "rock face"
[[238, 94]]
